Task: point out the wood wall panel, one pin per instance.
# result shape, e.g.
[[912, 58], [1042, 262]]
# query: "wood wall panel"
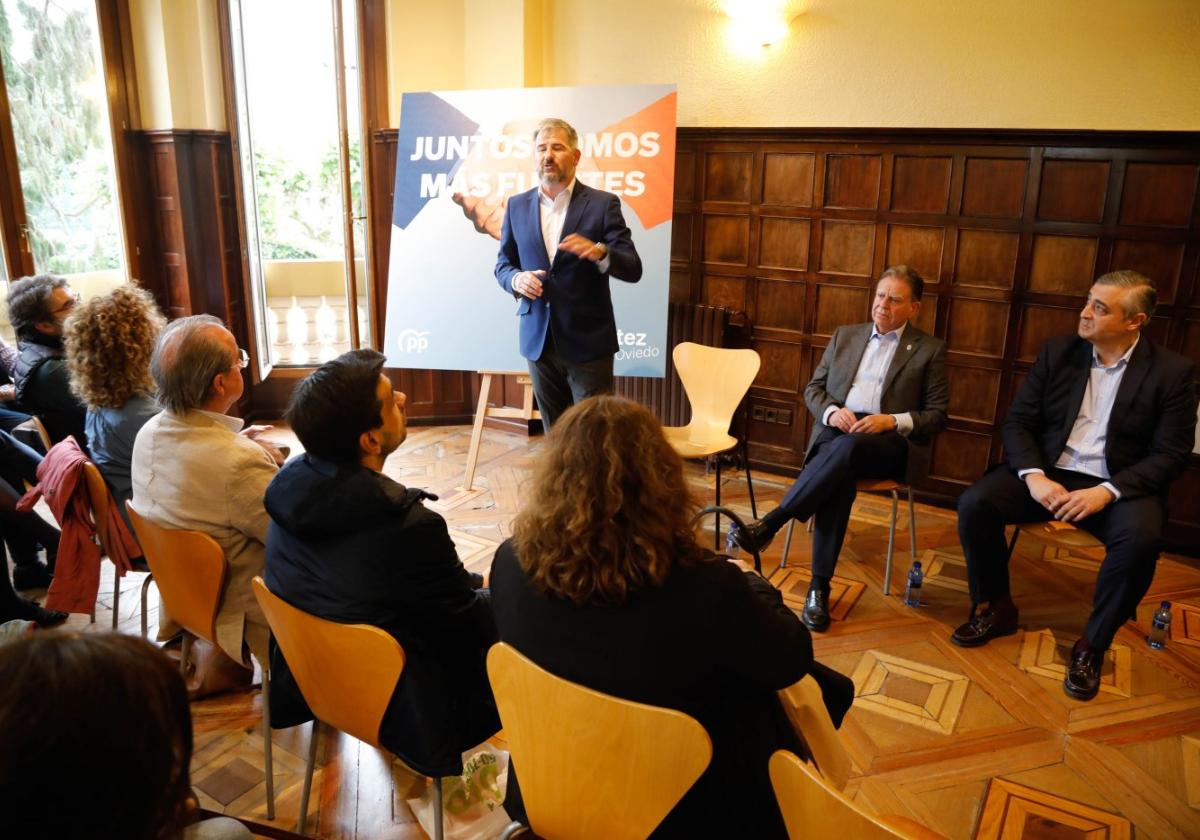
[[788, 179], [986, 258], [852, 181], [994, 188], [783, 243], [1064, 265], [977, 327], [847, 248], [727, 176], [919, 247], [726, 239], [1073, 190], [1159, 194], [921, 184], [685, 175], [837, 305], [1010, 229]]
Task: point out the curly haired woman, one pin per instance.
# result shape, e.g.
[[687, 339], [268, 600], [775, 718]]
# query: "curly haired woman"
[[604, 584], [109, 341]]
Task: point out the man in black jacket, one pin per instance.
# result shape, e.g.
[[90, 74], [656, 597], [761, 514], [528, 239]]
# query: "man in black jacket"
[[38, 307], [348, 544], [1101, 426]]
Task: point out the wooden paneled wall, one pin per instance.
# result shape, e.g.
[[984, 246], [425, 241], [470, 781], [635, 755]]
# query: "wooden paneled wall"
[[1009, 229]]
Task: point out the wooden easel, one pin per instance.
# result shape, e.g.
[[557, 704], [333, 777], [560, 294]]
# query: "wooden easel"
[[482, 410]]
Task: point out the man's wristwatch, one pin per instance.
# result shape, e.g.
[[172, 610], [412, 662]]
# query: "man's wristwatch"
[[602, 248]]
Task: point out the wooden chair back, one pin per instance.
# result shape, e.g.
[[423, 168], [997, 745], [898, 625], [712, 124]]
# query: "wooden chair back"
[[190, 569], [592, 765], [346, 672], [715, 380], [811, 808], [806, 710], [99, 498]]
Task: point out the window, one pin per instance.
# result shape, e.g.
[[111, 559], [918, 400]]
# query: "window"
[[299, 142]]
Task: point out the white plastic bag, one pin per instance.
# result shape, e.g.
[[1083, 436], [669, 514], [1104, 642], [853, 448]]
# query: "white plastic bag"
[[472, 801]]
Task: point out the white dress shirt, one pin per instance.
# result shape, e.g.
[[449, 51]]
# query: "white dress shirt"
[[866, 393], [1084, 451], [553, 214]]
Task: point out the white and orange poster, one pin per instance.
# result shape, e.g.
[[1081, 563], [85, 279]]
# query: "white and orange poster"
[[461, 156]]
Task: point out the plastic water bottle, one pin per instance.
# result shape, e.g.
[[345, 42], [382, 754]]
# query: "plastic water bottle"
[[912, 591], [1159, 627]]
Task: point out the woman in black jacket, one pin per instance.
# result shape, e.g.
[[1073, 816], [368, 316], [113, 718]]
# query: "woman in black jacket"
[[603, 583]]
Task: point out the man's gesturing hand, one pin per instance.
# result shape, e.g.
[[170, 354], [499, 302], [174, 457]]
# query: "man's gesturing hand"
[[1047, 493], [1080, 504], [873, 424], [529, 283], [842, 419]]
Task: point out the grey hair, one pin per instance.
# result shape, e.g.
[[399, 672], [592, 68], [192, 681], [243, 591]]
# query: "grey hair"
[[561, 125], [187, 357], [916, 283], [1144, 297]]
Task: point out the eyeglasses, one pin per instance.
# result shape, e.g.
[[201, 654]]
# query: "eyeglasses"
[[68, 306], [243, 359]]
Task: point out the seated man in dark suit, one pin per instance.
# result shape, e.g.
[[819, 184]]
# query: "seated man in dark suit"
[[1101, 425], [878, 397], [348, 544]]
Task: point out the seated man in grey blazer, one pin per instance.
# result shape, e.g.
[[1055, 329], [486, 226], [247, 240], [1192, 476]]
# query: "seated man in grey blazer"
[[878, 397]]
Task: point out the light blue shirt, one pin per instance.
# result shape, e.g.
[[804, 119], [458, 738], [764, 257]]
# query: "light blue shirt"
[[1084, 451], [866, 393]]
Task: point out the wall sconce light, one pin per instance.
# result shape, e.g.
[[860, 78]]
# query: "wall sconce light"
[[757, 24]]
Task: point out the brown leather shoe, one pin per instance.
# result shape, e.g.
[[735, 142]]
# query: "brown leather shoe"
[[983, 626], [1083, 674]]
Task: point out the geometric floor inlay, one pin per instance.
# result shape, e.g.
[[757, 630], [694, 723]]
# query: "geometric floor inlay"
[[472, 550], [910, 692], [1191, 768], [1185, 629], [792, 583], [945, 570], [1013, 811], [1042, 654]]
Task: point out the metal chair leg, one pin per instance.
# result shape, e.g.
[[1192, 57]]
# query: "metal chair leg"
[[145, 618], [184, 651], [438, 833], [912, 527], [887, 569], [749, 479], [266, 727], [717, 520], [1012, 544], [787, 543], [511, 830], [116, 595], [308, 774]]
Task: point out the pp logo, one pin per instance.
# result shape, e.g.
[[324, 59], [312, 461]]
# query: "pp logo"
[[412, 341]]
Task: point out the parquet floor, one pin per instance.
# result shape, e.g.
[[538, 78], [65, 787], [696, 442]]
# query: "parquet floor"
[[973, 743]]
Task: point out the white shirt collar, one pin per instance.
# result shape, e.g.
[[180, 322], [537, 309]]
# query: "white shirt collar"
[[1124, 360], [234, 424], [567, 190], [898, 332]]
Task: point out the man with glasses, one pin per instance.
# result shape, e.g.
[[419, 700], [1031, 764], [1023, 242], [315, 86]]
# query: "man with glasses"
[[37, 308], [195, 467]]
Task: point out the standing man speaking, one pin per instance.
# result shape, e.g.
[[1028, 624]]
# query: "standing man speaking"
[[560, 243]]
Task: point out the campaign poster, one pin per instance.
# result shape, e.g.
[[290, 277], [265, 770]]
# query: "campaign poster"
[[461, 155]]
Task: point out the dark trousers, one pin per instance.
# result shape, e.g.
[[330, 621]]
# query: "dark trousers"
[[558, 384], [826, 489], [1131, 530], [22, 532]]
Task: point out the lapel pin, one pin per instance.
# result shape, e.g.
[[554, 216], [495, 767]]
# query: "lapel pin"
[[909, 347]]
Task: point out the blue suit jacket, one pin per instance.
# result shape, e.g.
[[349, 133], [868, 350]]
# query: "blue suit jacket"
[[575, 302]]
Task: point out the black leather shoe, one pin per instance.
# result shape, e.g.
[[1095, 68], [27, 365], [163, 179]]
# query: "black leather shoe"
[[985, 625], [1083, 674], [755, 537], [31, 576], [816, 610], [30, 611]]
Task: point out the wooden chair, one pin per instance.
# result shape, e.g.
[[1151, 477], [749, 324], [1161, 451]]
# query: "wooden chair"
[[1056, 533], [33, 427], [715, 380], [100, 498], [806, 710], [875, 485], [191, 570], [813, 808], [640, 760], [346, 672]]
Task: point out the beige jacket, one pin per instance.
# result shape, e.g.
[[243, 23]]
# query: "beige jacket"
[[194, 471]]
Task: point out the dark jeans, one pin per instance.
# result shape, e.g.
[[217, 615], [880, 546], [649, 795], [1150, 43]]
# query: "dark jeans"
[[1131, 530], [826, 488], [558, 384], [22, 532]]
